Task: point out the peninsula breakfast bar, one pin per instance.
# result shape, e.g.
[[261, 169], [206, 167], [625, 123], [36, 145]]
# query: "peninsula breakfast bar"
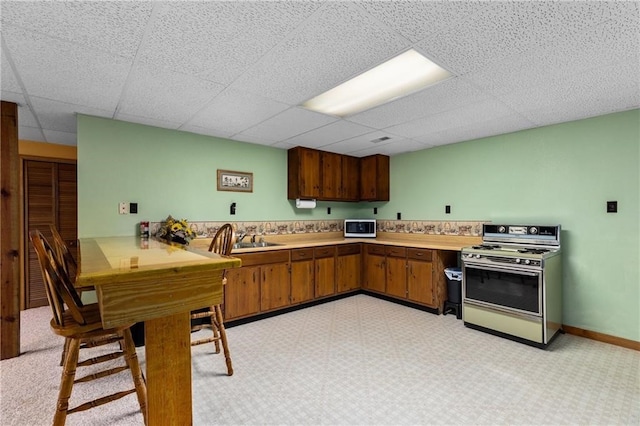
[[147, 280]]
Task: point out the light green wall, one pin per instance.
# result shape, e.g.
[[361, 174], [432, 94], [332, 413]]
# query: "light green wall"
[[170, 172], [558, 174], [562, 174]]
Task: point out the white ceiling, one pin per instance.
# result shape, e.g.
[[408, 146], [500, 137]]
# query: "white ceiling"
[[240, 70]]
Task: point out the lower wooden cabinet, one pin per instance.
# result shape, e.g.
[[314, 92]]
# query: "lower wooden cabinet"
[[420, 276], [242, 292], [374, 268], [396, 271], [302, 275], [273, 280], [262, 284], [348, 267], [325, 270]]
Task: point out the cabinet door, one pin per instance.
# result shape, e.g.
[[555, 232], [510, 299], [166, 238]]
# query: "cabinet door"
[[350, 190], [374, 178], [242, 292], [420, 283], [348, 272], [374, 268], [331, 175], [303, 169], [302, 281], [396, 276], [275, 286], [325, 270]]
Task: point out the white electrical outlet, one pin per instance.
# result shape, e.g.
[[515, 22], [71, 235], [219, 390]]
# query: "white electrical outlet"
[[123, 208]]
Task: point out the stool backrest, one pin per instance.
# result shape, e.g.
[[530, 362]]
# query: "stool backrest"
[[64, 255], [222, 242], [59, 288]]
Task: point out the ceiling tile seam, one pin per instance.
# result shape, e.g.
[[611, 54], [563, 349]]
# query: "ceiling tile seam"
[[325, 125], [251, 66], [147, 29], [25, 93]]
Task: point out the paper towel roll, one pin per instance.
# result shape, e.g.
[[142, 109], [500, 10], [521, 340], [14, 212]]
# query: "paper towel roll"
[[305, 204]]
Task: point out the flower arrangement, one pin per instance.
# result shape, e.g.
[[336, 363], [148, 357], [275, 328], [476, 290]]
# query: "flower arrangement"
[[176, 230]]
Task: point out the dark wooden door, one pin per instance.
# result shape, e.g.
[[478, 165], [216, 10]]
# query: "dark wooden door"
[[50, 198]]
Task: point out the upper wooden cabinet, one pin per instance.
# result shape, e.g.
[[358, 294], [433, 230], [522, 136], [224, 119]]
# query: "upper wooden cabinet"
[[374, 178], [329, 176], [303, 174]]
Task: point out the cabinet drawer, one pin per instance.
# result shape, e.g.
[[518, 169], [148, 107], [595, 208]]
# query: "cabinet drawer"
[[375, 249], [420, 254], [324, 251], [396, 251], [249, 259], [346, 249], [301, 254]]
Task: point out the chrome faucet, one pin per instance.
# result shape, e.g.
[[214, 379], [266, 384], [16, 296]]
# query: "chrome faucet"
[[241, 237], [253, 239]]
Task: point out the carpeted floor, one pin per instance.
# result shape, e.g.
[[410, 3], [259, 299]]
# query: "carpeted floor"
[[358, 360]]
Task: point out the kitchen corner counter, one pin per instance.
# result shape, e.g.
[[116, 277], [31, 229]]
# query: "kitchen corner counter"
[[293, 241]]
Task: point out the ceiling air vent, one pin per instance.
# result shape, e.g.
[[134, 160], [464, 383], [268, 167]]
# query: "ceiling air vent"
[[384, 138]]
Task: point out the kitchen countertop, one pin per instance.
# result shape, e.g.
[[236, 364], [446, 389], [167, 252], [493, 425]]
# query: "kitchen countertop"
[[305, 240]]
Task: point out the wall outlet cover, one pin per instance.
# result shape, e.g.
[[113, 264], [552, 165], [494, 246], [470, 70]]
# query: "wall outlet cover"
[[133, 208], [123, 208]]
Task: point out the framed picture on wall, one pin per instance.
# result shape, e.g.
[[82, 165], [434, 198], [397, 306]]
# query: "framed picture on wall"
[[229, 180]]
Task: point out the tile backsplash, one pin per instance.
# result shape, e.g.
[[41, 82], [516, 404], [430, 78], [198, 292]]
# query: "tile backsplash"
[[208, 229]]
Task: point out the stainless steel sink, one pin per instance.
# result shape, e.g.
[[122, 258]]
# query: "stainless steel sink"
[[254, 245]]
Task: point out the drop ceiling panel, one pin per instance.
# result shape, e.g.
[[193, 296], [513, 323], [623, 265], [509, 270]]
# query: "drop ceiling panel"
[[234, 111], [337, 43], [162, 94], [449, 94], [148, 121], [63, 138], [326, 135], [580, 95], [85, 76], [8, 81], [32, 134], [115, 27], [289, 123], [478, 112], [416, 20], [219, 40], [406, 145], [59, 116]]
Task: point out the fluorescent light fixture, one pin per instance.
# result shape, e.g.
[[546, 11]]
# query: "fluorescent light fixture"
[[399, 76]]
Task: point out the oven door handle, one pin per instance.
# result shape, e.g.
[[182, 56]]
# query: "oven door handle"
[[497, 269]]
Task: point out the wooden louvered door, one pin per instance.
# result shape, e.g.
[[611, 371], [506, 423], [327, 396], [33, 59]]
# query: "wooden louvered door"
[[50, 191]]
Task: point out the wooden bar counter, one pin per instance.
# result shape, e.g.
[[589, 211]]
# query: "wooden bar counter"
[[147, 280]]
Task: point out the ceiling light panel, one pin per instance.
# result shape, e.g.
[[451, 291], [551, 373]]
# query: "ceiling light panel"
[[404, 74]]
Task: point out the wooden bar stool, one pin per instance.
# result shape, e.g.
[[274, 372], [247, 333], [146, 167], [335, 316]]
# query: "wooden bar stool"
[[81, 325], [222, 243]]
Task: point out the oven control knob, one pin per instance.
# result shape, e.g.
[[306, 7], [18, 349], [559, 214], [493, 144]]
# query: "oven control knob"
[[501, 229], [527, 262], [533, 230], [477, 256], [517, 260]]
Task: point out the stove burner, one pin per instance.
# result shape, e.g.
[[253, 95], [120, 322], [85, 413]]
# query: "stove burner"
[[486, 247], [533, 250]]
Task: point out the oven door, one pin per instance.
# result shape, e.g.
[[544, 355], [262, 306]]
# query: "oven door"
[[503, 288]]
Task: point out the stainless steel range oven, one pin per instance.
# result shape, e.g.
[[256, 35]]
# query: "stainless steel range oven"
[[512, 283]]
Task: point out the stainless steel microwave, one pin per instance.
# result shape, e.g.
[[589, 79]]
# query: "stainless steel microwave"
[[360, 228]]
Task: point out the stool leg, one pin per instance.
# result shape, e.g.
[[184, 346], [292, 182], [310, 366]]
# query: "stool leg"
[[131, 358], [223, 338], [215, 327], [66, 382]]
